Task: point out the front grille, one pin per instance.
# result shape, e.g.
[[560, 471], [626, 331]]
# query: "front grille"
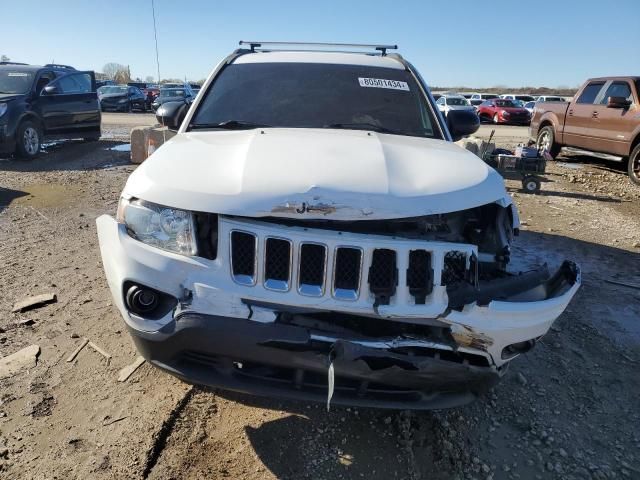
[[383, 275], [277, 264], [364, 273], [346, 283], [312, 269], [455, 267], [243, 257], [420, 275]]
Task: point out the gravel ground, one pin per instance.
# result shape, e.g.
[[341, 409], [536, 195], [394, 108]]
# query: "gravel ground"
[[567, 410]]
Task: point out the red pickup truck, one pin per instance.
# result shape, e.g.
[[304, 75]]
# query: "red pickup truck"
[[602, 120]]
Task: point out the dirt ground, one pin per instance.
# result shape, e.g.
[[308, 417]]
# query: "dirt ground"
[[567, 410]]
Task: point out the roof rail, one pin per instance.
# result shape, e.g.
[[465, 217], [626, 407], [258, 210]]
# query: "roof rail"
[[381, 48], [12, 63], [56, 65]]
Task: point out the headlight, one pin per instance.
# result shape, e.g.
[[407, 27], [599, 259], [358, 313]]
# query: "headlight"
[[3, 109], [504, 113], [123, 100], [162, 227]]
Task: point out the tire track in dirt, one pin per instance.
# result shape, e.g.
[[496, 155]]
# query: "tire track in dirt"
[[161, 437]]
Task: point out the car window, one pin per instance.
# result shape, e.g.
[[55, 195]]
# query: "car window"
[[617, 89], [15, 81], [590, 92], [43, 80], [457, 101], [75, 83], [314, 95], [441, 101], [506, 103]]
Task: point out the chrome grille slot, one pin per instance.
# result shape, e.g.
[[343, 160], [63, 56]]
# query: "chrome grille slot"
[[312, 269], [455, 268], [243, 257], [277, 264], [347, 265], [420, 275], [383, 275]]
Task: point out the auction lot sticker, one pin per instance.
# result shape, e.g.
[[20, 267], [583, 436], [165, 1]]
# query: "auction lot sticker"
[[382, 83]]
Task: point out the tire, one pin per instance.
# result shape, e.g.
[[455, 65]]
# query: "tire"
[[496, 119], [143, 109], [28, 139], [634, 165], [531, 184], [129, 108], [546, 141]]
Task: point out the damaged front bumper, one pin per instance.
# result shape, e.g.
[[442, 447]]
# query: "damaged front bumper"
[[262, 342]]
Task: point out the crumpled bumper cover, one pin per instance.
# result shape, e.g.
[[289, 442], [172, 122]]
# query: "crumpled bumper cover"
[[215, 337], [278, 360]]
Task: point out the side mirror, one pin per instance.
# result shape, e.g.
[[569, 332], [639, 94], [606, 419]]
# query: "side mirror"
[[171, 114], [618, 102], [462, 123], [50, 90]]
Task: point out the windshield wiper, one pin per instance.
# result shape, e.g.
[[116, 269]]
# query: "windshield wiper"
[[363, 126], [229, 125]]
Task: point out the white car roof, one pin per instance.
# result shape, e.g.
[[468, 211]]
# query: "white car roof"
[[339, 58]]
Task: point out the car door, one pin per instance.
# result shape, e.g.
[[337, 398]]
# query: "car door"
[[613, 127], [578, 125], [70, 105]]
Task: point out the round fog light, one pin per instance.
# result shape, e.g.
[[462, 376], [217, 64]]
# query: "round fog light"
[[141, 300]]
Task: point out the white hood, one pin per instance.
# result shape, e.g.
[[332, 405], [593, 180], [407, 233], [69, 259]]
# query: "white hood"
[[314, 173]]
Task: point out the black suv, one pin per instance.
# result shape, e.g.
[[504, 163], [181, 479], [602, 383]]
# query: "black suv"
[[53, 102]]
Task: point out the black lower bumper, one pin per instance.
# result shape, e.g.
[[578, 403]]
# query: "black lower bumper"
[[283, 360]]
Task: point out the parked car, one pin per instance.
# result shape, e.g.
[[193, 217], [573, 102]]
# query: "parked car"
[[530, 106], [522, 98], [104, 83], [500, 110], [449, 102], [122, 98], [483, 96], [550, 98], [172, 95], [312, 231], [50, 102], [603, 121]]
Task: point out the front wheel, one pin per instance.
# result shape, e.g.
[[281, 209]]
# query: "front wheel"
[[634, 165], [546, 141], [496, 119], [29, 139]]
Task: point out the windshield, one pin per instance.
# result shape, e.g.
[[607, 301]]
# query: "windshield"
[[508, 103], [457, 101], [313, 95], [15, 82], [552, 99], [109, 90], [524, 98], [171, 92], [489, 96]]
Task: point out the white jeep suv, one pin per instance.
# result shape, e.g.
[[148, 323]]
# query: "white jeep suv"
[[313, 232]]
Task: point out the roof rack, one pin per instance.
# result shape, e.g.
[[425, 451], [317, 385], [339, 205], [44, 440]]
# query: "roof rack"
[[12, 63], [56, 65], [381, 48]]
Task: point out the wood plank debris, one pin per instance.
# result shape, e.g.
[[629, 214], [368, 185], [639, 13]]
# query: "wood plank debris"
[[127, 371], [36, 301], [18, 361], [77, 350]]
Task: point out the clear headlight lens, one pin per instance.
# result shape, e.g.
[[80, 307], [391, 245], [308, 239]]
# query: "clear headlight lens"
[[162, 227], [3, 109]]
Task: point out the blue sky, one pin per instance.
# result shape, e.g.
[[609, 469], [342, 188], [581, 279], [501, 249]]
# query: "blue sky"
[[466, 42]]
